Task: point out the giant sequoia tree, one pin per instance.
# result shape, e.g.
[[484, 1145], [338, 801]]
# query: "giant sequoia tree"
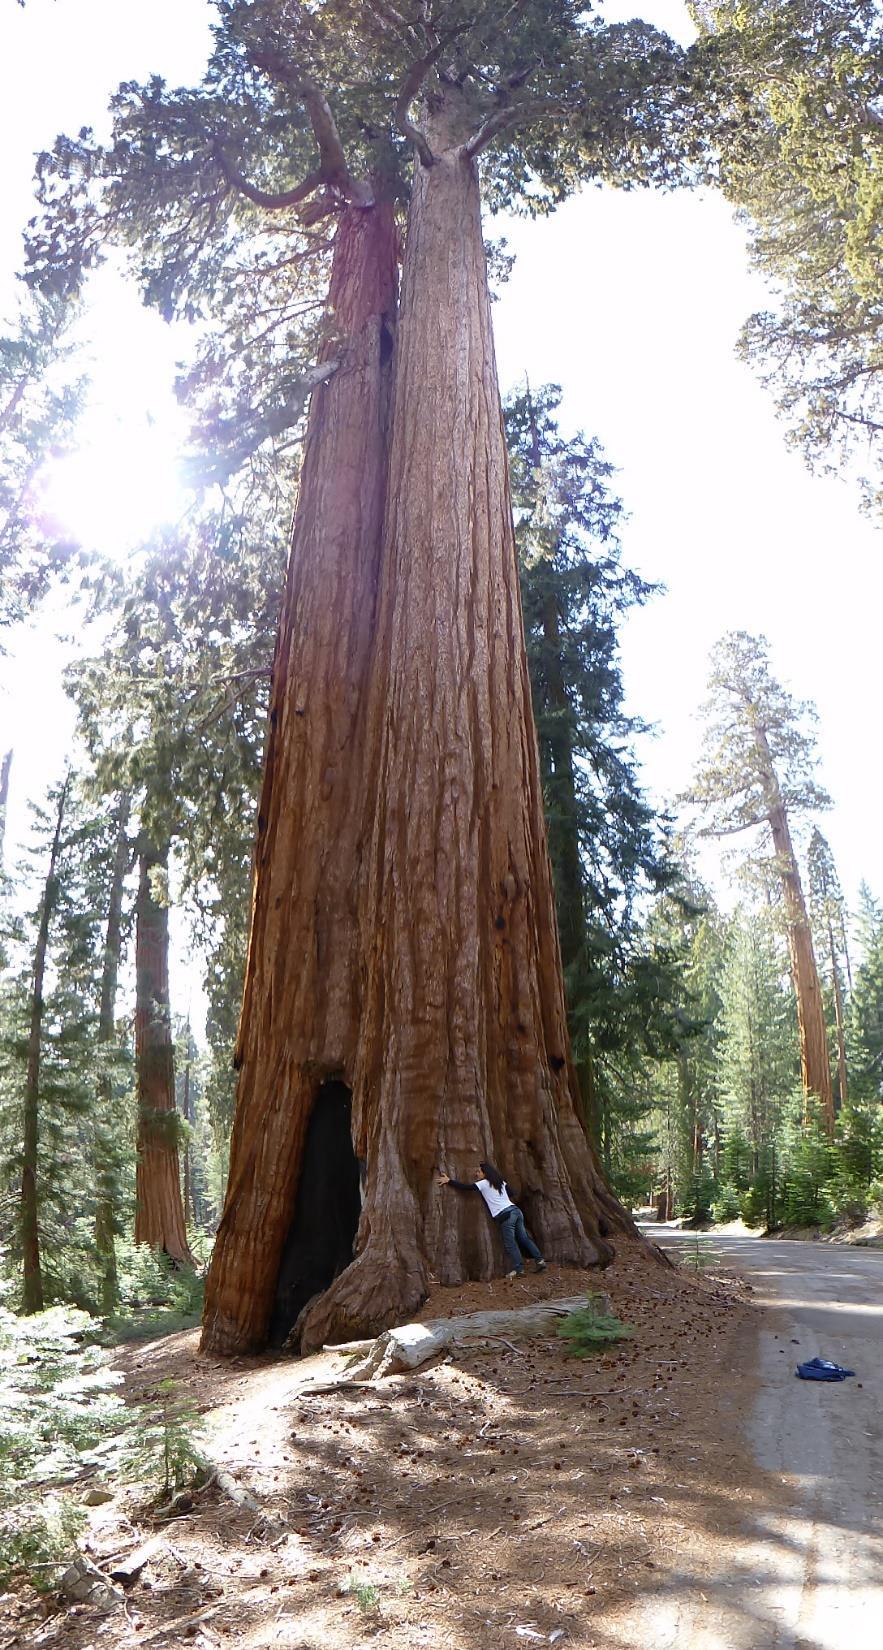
[[758, 770], [404, 1002]]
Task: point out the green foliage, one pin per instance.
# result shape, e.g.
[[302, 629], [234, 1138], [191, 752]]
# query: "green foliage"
[[81, 1078], [591, 1329], [696, 1198], [366, 1595], [726, 1204], [756, 1054], [758, 745], [865, 1015], [59, 1405], [157, 1297], [793, 101], [699, 1255], [165, 1452], [609, 851], [41, 395]]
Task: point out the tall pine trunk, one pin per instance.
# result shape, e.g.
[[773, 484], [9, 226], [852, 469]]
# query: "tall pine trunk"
[[159, 1213], [5, 766], [106, 1146], [815, 1067], [463, 1051], [840, 1019], [301, 1005], [32, 1274]]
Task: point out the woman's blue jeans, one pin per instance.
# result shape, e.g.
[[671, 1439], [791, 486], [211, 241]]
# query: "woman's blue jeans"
[[517, 1241]]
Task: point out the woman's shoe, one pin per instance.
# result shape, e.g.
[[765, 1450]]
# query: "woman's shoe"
[[511, 1275], [541, 1266]]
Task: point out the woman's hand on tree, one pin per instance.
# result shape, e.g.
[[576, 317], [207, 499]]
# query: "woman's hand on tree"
[[444, 1180]]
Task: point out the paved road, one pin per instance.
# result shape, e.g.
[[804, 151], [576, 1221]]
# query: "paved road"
[[808, 1576]]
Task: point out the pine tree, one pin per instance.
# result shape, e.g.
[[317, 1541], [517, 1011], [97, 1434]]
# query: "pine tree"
[[758, 772], [107, 1149], [41, 395], [828, 914], [866, 1002], [607, 849], [32, 1273], [52, 1105], [756, 1067], [5, 766]]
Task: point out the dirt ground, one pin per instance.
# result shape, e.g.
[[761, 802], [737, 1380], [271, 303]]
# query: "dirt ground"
[[507, 1494]]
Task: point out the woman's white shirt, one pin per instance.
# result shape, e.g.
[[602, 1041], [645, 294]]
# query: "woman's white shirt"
[[496, 1201]]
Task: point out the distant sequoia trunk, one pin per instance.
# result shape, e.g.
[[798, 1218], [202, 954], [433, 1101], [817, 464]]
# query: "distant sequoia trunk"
[[404, 933], [159, 1211]]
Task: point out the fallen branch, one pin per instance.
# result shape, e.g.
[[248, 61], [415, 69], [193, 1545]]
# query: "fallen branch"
[[273, 1526], [414, 1344]]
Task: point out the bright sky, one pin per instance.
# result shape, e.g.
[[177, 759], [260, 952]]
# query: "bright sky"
[[633, 304]]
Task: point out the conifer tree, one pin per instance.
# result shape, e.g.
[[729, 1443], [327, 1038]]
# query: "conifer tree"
[[756, 1067], [605, 845], [5, 766], [40, 399], [107, 1149], [828, 913], [866, 1002], [757, 771], [32, 1273], [371, 850], [52, 1104]]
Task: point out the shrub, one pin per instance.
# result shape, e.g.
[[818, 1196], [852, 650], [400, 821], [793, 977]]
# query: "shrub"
[[591, 1329], [727, 1205]]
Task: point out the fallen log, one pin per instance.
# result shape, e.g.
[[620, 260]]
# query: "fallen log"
[[413, 1344]]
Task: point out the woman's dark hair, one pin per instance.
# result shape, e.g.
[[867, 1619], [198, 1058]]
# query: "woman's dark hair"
[[491, 1174]]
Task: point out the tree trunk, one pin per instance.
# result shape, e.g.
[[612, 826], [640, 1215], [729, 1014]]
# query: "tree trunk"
[[300, 1009], [463, 1049], [5, 766], [106, 1149], [159, 1214], [187, 1114], [839, 1019], [32, 1275], [430, 981], [815, 1068]]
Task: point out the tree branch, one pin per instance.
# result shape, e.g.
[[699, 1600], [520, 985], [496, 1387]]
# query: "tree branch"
[[410, 87], [510, 114], [264, 197], [732, 830], [333, 169]]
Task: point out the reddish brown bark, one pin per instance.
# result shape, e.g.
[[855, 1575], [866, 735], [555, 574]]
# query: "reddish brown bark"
[[463, 1049], [301, 1004], [815, 1067], [159, 1212], [404, 934]]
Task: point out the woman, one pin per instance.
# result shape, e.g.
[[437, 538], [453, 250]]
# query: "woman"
[[517, 1241]]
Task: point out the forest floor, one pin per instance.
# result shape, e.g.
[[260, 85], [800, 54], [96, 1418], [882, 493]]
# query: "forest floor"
[[502, 1496]]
